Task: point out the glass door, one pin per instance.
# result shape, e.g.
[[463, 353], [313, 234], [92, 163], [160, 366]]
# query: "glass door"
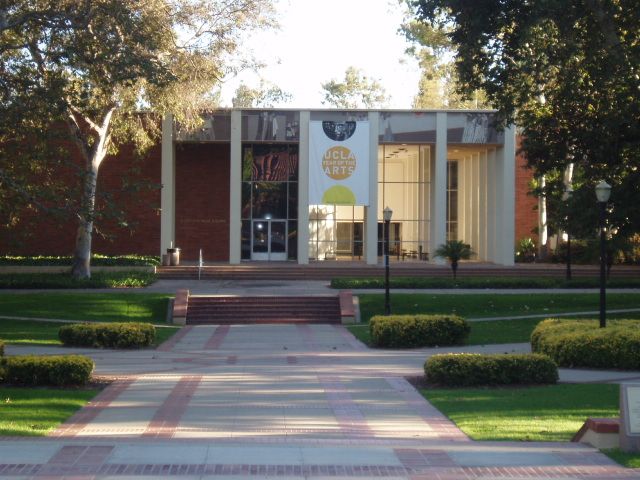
[[269, 240]]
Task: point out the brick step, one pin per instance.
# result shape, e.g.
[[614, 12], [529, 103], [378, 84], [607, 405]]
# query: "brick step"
[[268, 309]]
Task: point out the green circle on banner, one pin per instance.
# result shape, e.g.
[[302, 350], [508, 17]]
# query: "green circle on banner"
[[338, 195]]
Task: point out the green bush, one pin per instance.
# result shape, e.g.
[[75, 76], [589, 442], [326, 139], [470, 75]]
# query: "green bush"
[[107, 335], [97, 260], [406, 331], [1, 348], [65, 280], [60, 370], [581, 343], [473, 369]]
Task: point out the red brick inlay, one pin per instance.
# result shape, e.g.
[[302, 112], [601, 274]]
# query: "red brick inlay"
[[87, 414], [165, 422], [217, 338], [232, 359], [414, 458], [348, 415], [292, 359], [174, 340]]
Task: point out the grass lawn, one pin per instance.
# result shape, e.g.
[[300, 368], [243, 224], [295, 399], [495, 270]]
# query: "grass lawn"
[[102, 307], [549, 413], [37, 411], [630, 460], [30, 332]]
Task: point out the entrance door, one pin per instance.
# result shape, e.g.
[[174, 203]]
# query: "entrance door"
[[269, 240]]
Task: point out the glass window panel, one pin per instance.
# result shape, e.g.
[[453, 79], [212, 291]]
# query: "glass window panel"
[[292, 240], [214, 127], [260, 237], [293, 200], [293, 163], [270, 125], [270, 200], [247, 163], [400, 127], [246, 200], [473, 127], [245, 235], [278, 237]]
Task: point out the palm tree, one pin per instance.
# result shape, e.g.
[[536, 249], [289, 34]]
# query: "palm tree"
[[454, 251]]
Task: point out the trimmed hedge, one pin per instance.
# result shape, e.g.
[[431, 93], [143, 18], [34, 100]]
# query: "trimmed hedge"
[[406, 331], [474, 369], [582, 343], [96, 260], [107, 335], [65, 280], [1, 348], [59, 370]]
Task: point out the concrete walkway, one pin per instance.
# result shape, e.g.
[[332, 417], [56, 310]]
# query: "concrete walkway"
[[281, 401]]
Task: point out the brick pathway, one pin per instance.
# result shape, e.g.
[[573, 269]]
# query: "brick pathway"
[[276, 401]]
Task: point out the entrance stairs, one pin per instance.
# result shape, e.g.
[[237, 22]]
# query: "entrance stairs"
[[222, 310]]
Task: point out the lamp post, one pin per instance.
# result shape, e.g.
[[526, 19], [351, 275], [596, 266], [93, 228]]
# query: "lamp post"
[[566, 196], [603, 191], [386, 214]]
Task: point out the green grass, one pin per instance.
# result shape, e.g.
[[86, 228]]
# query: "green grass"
[[479, 306], [498, 305], [629, 460], [31, 332], [38, 411], [102, 307], [480, 282], [551, 413], [64, 280]]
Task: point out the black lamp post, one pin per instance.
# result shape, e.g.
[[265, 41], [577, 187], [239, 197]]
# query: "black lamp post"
[[566, 196], [386, 213], [603, 191]]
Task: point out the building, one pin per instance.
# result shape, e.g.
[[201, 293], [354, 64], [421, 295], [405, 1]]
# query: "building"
[[310, 185]]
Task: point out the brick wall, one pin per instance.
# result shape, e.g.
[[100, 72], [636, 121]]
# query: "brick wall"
[[39, 234], [202, 201], [526, 205]]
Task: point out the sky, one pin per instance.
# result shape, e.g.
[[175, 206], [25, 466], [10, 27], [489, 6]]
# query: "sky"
[[316, 43]]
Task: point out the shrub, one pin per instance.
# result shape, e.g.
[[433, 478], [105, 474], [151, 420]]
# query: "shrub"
[[418, 330], [65, 280], [1, 348], [473, 369], [107, 335], [581, 343], [96, 260], [61, 370]]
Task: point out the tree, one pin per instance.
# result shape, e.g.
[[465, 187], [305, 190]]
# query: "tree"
[[431, 46], [356, 91], [94, 69], [454, 251], [265, 96], [567, 72]]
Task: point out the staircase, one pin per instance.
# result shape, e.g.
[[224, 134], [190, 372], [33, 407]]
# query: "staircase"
[[251, 310]]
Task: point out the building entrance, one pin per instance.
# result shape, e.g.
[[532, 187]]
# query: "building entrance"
[[269, 240]]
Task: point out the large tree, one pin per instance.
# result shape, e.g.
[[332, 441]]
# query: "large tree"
[[265, 95], [92, 68], [568, 73], [357, 90]]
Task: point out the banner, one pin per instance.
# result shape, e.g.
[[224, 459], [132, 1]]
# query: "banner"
[[338, 163]]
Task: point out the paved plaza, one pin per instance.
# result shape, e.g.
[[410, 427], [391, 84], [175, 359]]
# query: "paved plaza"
[[285, 401]]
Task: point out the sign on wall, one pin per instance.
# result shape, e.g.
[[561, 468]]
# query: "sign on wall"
[[338, 163]]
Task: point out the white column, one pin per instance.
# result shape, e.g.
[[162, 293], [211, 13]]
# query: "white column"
[[303, 189], [462, 212], [482, 231], [168, 193], [506, 197], [492, 211], [235, 188], [439, 188], [371, 212], [468, 199], [475, 202]]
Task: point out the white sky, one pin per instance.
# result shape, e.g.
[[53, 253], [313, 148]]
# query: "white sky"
[[317, 41]]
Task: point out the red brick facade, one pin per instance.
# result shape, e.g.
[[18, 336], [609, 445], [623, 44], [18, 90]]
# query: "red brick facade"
[[526, 221], [202, 201], [38, 234]]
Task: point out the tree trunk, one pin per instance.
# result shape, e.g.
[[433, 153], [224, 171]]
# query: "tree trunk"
[[82, 254], [454, 267]]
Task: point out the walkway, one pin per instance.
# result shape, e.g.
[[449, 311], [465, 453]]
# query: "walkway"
[[280, 401]]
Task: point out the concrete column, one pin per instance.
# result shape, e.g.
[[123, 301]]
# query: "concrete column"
[[168, 192], [482, 180], [461, 199], [303, 189], [506, 197], [492, 211], [235, 188], [439, 188], [371, 211], [468, 199], [475, 202]]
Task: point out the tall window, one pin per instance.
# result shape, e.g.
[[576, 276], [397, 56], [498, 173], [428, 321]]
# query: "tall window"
[[452, 200]]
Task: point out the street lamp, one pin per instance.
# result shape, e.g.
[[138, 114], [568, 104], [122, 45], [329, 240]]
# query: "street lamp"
[[386, 215], [603, 192], [566, 196]]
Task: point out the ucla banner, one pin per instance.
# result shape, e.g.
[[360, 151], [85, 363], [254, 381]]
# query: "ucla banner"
[[338, 163]]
